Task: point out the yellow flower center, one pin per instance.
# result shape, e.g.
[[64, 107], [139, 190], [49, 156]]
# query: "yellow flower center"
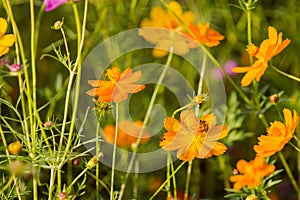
[[171, 24], [203, 28], [113, 74], [252, 49]]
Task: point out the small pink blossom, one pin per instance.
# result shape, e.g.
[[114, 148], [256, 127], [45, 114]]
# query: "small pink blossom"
[[15, 67], [52, 4], [227, 68]]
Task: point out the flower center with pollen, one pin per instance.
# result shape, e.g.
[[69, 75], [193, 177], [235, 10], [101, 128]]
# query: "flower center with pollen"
[[113, 74], [203, 126]]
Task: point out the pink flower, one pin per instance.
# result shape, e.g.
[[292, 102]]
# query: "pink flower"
[[227, 68], [52, 4], [15, 67]]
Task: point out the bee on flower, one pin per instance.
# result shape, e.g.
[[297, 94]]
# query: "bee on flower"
[[194, 138]]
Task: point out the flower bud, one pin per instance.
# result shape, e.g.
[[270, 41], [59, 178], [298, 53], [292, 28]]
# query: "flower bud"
[[62, 196], [57, 25], [76, 162], [235, 172], [92, 162], [251, 197], [15, 147], [15, 68], [201, 98], [274, 98], [48, 124]]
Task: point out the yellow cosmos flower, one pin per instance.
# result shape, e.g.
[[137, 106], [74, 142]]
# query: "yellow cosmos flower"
[[278, 135], [168, 18], [192, 137], [251, 173], [7, 40], [166, 29], [267, 50]]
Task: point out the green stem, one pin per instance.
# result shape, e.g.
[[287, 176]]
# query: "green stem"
[[7, 154], [285, 74], [222, 164], [294, 146], [174, 178], [188, 178], [77, 66], [289, 173], [249, 32], [34, 100], [146, 119], [97, 165], [26, 130], [136, 180], [164, 183], [37, 26], [169, 195], [6, 186], [114, 154], [180, 109], [236, 87], [76, 179], [296, 138], [51, 184]]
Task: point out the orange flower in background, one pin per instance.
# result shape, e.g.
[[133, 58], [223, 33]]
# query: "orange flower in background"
[[168, 18], [267, 50], [166, 30], [278, 135], [7, 40], [118, 86], [251, 173], [127, 133], [165, 39], [192, 137], [205, 35]]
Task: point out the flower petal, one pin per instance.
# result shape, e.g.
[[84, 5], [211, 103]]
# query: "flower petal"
[[3, 26]]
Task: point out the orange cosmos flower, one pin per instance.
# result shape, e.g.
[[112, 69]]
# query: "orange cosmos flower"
[[6, 41], [118, 86], [251, 173], [267, 50], [205, 35], [166, 29], [192, 137], [127, 133], [278, 135]]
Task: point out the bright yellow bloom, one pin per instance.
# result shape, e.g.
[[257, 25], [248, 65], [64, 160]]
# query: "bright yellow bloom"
[[193, 137], [127, 133], [166, 19], [278, 135], [6, 41], [164, 29], [267, 50], [251, 173], [118, 86]]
